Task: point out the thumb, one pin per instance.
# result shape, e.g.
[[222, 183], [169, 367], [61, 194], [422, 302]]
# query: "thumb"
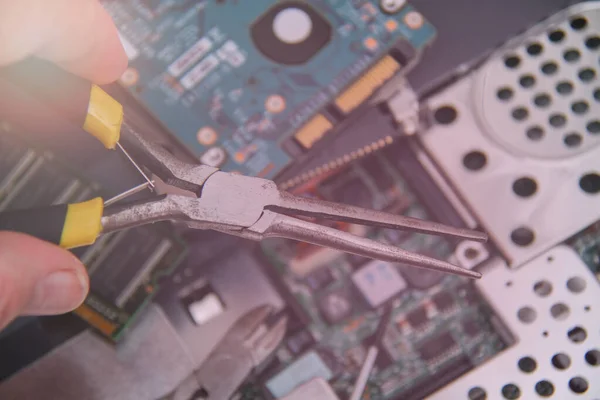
[[37, 277]]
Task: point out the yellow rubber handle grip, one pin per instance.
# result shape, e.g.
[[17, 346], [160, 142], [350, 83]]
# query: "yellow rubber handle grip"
[[104, 117], [83, 223]]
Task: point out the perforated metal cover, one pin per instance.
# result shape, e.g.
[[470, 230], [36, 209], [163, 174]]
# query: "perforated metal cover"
[[558, 295], [531, 191], [540, 97]]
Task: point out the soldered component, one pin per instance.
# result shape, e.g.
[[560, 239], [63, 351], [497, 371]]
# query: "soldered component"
[[437, 347], [336, 305]]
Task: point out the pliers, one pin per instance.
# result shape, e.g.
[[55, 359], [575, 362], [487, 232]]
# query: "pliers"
[[248, 343], [248, 207]]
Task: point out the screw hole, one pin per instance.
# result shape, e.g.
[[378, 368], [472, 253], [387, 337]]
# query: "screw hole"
[[445, 115], [504, 93], [522, 236], [586, 74], [527, 81], [592, 357], [580, 107], [508, 283], [545, 334], [592, 42], [534, 49], [512, 61], [477, 393], [535, 133], [564, 87], [578, 385], [549, 68], [572, 140], [542, 100], [544, 388], [474, 160], [571, 55], [560, 311], [527, 364], [576, 284], [577, 334], [526, 314], [520, 113], [590, 183], [511, 391], [471, 253], [561, 361], [524, 187], [593, 127], [557, 120], [542, 288], [556, 36], [578, 23], [587, 308]]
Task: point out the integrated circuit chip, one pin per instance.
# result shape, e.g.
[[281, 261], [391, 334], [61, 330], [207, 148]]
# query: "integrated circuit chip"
[[443, 301], [417, 318], [237, 82], [437, 347]]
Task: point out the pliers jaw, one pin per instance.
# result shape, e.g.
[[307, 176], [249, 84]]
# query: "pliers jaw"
[[159, 161], [254, 208]]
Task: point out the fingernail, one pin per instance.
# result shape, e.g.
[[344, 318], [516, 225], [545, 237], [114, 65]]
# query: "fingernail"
[[57, 293]]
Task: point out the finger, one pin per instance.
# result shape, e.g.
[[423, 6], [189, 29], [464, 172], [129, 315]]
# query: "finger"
[[78, 35], [38, 278]]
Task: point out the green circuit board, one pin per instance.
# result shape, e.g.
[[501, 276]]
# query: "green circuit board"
[[440, 326], [242, 83]]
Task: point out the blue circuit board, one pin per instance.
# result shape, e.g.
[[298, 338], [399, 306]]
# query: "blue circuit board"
[[203, 68]]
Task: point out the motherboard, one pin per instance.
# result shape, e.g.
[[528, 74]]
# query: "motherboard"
[[248, 85], [439, 326], [314, 94]]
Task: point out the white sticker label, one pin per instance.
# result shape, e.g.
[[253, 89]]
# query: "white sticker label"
[[199, 72], [129, 48], [190, 57], [231, 53]]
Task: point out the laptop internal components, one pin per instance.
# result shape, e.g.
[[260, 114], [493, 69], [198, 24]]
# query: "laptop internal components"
[[248, 86], [518, 137], [440, 326], [125, 268]]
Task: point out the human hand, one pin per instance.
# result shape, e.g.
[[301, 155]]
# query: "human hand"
[[37, 277]]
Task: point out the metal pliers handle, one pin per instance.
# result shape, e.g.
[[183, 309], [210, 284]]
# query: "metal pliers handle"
[[249, 207]]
